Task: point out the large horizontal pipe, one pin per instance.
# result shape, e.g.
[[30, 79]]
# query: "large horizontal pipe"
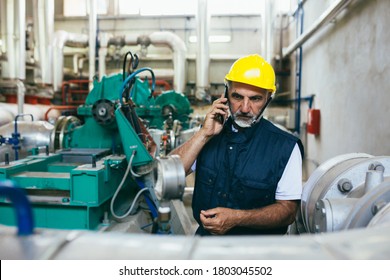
[[334, 9]]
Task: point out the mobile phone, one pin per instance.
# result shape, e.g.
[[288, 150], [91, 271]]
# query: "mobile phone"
[[218, 117]]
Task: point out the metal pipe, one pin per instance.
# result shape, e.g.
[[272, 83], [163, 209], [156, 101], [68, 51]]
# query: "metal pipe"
[[43, 14], [163, 38], [335, 8], [179, 49], [298, 71], [20, 89], [62, 38], [92, 40], [20, 93], [203, 58], [267, 42], [3, 14], [20, 39], [104, 39], [9, 68]]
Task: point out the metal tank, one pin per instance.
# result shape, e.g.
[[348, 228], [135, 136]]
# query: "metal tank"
[[34, 134]]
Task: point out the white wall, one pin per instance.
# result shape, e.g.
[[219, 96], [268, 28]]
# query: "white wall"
[[347, 66]]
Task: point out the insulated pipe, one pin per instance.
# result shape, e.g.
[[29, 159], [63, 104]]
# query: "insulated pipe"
[[163, 38], [14, 30], [335, 8], [43, 13], [20, 91], [8, 67], [179, 49], [92, 40], [3, 15], [37, 110], [203, 57], [267, 42], [20, 39], [62, 38], [104, 38], [130, 40]]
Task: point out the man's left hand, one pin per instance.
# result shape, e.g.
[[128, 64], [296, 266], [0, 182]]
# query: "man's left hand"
[[218, 220]]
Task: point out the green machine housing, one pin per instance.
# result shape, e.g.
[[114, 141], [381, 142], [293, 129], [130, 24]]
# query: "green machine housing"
[[71, 188]]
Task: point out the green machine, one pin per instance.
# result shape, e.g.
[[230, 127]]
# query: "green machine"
[[86, 176]]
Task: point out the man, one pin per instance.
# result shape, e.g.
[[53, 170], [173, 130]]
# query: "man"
[[248, 172]]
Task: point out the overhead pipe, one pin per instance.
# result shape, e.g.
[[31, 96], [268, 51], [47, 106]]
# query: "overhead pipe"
[[17, 85], [176, 44], [92, 40], [335, 8], [13, 30], [43, 14], [203, 57], [3, 15], [62, 39], [20, 39], [267, 42], [104, 39], [158, 39], [8, 67], [163, 38]]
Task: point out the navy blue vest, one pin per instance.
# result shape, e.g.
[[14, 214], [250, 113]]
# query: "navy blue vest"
[[241, 171]]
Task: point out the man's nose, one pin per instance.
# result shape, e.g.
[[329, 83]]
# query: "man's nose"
[[245, 108]]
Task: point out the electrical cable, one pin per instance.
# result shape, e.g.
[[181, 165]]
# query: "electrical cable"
[[132, 76], [131, 169], [143, 189]]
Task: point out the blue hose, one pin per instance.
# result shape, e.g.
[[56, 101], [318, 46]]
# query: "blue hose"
[[21, 204], [132, 76]]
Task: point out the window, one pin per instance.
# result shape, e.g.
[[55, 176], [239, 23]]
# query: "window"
[[188, 7], [76, 8]]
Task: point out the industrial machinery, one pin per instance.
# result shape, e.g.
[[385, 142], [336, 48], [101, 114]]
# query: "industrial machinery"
[[346, 192], [105, 170], [361, 233], [89, 171]]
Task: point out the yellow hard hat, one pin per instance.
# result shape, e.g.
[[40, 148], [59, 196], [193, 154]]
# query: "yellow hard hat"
[[253, 70]]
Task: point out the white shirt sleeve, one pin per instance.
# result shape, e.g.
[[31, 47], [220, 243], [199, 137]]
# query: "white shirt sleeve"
[[290, 185]]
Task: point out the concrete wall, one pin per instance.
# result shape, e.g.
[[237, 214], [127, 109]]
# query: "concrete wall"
[[346, 65]]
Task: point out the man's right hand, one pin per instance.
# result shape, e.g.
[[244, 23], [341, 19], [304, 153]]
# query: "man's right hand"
[[212, 126]]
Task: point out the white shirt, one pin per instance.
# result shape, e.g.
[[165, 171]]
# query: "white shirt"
[[290, 185]]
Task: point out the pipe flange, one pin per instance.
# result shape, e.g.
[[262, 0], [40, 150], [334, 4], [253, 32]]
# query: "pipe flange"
[[170, 177], [368, 206]]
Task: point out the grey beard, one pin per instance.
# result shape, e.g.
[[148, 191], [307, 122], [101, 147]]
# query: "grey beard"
[[244, 122]]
